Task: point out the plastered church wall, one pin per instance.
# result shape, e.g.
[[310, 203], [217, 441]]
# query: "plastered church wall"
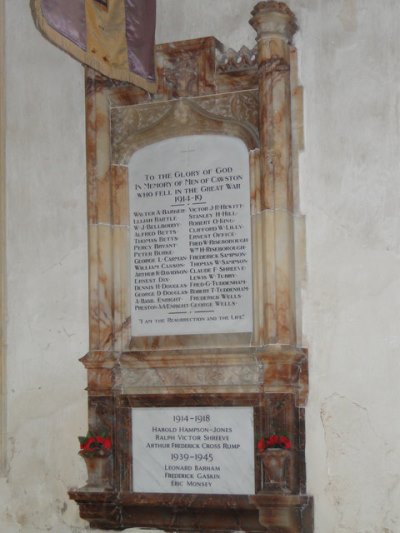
[[349, 193], [46, 279]]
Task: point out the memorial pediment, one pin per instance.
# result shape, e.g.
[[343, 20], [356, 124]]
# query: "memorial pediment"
[[134, 127]]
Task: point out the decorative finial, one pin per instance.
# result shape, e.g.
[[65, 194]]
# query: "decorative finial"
[[273, 18]]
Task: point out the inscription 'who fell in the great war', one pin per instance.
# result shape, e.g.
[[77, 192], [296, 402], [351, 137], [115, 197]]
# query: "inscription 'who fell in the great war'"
[[190, 237]]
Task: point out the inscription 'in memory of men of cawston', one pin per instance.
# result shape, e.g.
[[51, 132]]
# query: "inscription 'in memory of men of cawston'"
[[190, 237]]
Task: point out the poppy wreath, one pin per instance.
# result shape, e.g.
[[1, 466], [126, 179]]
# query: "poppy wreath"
[[92, 444], [274, 441]]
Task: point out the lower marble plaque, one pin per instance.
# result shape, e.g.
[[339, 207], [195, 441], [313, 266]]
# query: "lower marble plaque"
[[193, 450]]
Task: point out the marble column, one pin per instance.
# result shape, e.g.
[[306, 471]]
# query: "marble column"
[[275, 26]]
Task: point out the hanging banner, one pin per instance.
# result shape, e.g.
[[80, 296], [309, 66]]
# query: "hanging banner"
[[115, 37]]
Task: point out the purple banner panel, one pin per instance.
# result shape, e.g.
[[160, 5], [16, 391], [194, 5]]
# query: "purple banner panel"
[[68, 18], [140, 16]]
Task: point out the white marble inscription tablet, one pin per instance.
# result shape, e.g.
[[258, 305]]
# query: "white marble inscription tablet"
[[190, 238], [195, 450]]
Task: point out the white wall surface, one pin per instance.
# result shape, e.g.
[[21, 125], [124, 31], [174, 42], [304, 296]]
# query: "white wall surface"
[[350, 194], [47, 280]]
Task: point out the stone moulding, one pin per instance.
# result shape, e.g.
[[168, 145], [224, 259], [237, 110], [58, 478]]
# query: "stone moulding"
[[274, 370], [175, 119], [278, 514], [253, 95]]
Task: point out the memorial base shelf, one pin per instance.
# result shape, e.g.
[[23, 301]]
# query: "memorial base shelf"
[[188, 513]]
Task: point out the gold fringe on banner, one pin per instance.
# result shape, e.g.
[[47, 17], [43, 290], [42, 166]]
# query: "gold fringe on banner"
[[111, 46]]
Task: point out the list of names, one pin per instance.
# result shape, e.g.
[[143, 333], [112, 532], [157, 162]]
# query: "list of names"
[[204, 450], [190, 237]]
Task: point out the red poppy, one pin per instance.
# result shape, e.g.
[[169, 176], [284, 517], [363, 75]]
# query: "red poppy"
[[285, 442], [89, 444], [273, 441], [261, 445], [107, 444]]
